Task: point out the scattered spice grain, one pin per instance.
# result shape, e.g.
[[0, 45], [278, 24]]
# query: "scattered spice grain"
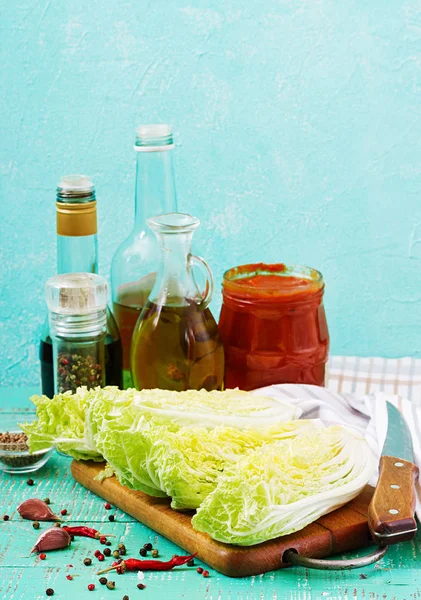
[[91, 587], [107, 552], [111, 518], [30, 481], [199, 570], [143, 552], [103, 580], [148, 546], [6, 517], [49, 592], [87, 561], [110, 585], [141, 586], [154, 553]]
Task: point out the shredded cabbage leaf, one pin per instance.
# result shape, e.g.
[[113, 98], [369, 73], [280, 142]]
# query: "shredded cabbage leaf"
[[282, 487]]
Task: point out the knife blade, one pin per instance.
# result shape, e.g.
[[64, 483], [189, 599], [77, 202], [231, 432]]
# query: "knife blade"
[[391, 511]]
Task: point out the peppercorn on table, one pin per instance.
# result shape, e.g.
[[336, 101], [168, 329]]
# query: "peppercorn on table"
[[63, 572]]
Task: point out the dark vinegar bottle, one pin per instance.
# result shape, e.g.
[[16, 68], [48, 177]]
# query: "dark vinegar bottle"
[[77, 252]]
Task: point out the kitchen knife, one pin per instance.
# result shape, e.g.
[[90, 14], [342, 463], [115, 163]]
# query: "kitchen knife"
[[391, 511]]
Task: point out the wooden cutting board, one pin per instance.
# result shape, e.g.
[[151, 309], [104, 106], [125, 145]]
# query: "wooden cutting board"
[[344, 529]]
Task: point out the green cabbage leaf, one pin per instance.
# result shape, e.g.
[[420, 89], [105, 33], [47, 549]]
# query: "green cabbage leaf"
[[151, 450], [61, 423], [186, 464], [282, 487], [89, 424]]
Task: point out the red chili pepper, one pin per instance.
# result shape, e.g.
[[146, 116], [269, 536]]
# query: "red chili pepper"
[[134, 564], [86, 532]]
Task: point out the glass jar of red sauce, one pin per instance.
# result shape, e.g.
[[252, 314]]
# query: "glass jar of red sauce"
[[273, 326]]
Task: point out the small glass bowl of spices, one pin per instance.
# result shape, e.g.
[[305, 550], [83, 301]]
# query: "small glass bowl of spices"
[[15, 456]]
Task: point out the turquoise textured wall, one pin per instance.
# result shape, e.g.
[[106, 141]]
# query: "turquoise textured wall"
[[298, 139]]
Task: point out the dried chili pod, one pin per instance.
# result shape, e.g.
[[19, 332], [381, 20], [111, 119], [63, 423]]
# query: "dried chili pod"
[[35, 509], [134, 564], [86, 532], [53, 538]]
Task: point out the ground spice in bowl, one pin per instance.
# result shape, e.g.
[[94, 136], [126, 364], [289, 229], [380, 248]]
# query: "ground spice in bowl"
[[15, 456]]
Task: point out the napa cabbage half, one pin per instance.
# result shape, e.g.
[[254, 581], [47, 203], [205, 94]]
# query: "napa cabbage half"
[[74, 423], [164, 459], [282, 487]]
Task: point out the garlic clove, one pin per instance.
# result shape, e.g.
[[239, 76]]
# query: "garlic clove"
[[35, 509], [53, 538]]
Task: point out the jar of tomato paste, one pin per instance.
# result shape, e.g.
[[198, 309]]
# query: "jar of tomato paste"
[[273, 326]]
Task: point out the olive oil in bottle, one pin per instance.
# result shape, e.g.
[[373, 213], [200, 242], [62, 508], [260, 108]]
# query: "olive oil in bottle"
[[176, 344], [135, 263]]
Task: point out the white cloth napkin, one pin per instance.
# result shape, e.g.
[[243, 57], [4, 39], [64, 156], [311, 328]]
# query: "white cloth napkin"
[[367, 414]]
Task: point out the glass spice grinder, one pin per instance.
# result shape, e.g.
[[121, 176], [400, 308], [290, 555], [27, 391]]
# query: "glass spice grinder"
[[77, 304]]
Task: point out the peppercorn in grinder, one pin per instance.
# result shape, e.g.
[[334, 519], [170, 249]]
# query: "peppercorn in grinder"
[[77, 304]]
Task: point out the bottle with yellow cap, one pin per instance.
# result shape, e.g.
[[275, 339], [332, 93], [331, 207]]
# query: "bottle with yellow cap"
[[77, 252], [135, 263]]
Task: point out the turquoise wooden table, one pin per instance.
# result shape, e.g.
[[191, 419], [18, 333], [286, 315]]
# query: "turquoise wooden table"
[[25, 577]]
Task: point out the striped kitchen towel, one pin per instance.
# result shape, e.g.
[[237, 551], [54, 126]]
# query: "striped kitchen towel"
[[396, 376]]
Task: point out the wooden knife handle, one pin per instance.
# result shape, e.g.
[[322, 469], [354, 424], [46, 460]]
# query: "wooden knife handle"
[[391, 511]]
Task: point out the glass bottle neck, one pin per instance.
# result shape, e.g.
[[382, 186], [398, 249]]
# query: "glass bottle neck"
[[155, 186], [77, 254], [174, 284]]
